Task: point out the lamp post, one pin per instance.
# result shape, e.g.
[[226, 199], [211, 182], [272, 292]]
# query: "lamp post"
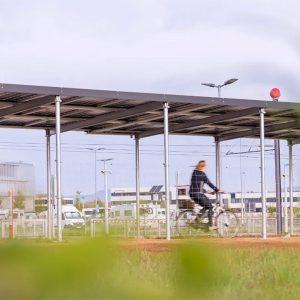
[[242, 174], [95, 150], [217, 142], [105, 173], [219, 86]]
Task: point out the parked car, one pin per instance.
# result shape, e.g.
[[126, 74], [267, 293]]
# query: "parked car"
[[30, 215], [71, 217]]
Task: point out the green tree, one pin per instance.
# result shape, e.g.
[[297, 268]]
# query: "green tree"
[[40, 208], [1, 201], [271, 210], [78, 203], [100, 203], [19, 201], [296, 211], [63, 201]]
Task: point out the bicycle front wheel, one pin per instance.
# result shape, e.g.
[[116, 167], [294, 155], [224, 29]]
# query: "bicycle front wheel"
[[228, 224]]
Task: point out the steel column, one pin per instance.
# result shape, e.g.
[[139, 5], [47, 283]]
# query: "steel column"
[[49, 204], [106, 225], [53, 206], [219, 91], [58, 168], [242, 187], [95, 178], [291, 188], [166, 166], [218, 167], [278, 187], [286, 224], [177, 196], [137, 184], [262, 173]]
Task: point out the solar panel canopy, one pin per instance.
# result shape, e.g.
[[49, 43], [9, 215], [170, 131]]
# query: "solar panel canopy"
[[141, 114]]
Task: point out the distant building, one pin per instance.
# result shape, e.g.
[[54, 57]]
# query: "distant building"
[[40, 202], [19, 178], [147, 195], [251, 200]]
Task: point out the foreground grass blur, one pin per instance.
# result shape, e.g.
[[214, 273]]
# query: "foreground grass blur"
[[100, 269]]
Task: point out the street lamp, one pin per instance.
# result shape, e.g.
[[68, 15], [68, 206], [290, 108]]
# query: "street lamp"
[[95, 182], [218, 144], [105, 173], [219, 86]]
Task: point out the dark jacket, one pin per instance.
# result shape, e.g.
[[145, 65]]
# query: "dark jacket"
[[198, 180]]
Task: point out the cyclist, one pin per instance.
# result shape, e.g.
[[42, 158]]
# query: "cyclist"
[[197, 191]]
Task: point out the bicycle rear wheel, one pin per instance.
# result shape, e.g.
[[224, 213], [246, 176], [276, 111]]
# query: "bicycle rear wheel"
[[228, 224], [188, 223]]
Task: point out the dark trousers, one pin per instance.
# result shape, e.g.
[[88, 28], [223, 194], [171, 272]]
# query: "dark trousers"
[[202, 200]]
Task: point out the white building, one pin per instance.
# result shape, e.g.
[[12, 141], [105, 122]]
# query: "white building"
[[153, 194], [251, 200], [18, 178], [41, 202]]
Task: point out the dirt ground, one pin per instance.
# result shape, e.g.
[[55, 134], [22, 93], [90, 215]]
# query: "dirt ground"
[[159, 245]]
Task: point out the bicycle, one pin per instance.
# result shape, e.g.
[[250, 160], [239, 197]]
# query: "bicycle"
[[192, 221]]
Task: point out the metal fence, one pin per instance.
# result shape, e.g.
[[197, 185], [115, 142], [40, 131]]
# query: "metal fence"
[[24, 229], [251, 225]]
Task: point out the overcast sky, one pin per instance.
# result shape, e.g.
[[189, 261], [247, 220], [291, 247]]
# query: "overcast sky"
[[154, 46]]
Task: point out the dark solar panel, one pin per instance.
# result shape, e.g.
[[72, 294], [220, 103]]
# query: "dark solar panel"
[[152, 190], [158, 188], [140, 114]]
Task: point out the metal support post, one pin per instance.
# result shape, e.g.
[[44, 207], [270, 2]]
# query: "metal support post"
[[278, 187], [49, 214], [137, 184], [262, 173], [58, 168], [218, 168], [106, 200], [95, 179], [53, 206], [11, 215], [177, 196], [219, 91], [166, 165], [242, 186], [291, 188], [106, 225], [286, 223]]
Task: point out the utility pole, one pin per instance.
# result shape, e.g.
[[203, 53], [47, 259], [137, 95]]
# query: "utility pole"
[[11, 216], [95, 150], [105, 173], [242, 188], [177, 196]]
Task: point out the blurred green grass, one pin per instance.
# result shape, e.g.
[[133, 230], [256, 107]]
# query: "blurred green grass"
[[102, 269]]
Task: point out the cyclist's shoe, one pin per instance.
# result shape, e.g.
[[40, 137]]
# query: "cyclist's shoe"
[[212, 228]]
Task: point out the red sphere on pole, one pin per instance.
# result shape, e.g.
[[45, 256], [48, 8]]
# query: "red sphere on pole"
[[275, 93]]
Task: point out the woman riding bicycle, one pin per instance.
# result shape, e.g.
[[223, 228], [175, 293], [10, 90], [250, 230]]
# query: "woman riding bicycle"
[[197, 191]]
